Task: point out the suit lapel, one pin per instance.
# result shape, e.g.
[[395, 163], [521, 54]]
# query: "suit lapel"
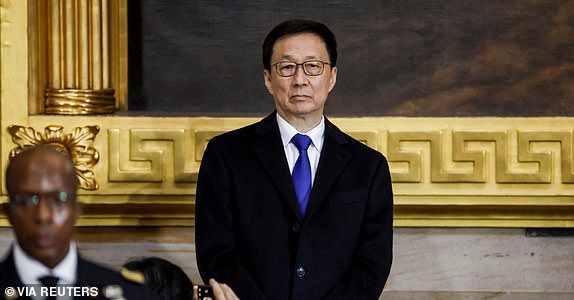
[[82, 271], [10, 278], [334, 158], [9, 270], [269, 148]]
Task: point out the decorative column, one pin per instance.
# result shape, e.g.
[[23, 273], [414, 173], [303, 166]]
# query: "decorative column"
[[78, 58]]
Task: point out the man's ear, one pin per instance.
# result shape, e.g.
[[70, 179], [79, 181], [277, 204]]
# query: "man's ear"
[[268, 84], [333, 78]]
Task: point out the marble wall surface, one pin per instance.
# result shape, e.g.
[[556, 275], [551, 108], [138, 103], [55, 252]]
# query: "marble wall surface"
[[429, 263]]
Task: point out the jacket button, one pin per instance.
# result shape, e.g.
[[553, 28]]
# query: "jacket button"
[[296, 227], [300, 272]]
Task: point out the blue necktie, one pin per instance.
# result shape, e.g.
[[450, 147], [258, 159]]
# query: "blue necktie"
[[302, 171]]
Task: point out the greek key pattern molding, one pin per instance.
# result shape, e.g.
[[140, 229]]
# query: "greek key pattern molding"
[[517, 156], [449, 156], [156, 155]]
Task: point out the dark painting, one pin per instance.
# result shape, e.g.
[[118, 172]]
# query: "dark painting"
[[396, 58]]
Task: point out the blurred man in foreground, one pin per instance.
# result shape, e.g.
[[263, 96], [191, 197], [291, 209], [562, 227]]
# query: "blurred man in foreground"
[[42, 210]]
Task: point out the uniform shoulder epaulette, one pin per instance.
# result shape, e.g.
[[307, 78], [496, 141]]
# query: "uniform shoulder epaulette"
[[134, 276]]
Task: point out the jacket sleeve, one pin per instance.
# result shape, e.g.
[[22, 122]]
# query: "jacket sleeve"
[[371, 264], [215, 243]]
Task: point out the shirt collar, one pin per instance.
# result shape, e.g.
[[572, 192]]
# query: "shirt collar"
[[287, 132], [30, 270]]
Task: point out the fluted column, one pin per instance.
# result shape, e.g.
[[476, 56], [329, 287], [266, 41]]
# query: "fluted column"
[[78, 58]]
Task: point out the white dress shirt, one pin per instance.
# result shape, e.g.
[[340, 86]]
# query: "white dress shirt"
[[30, 270], [317, 135]]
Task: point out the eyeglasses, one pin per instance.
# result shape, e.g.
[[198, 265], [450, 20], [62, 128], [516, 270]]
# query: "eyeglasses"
[[310, 68], [54, 200]]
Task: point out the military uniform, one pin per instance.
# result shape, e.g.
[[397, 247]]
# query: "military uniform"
[[109, 283]]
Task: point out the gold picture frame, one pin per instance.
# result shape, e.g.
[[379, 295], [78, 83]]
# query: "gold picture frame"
[[447, 172]]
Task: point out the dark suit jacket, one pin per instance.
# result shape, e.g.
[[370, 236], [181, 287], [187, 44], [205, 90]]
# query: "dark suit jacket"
[[250, 234], [89, 274]]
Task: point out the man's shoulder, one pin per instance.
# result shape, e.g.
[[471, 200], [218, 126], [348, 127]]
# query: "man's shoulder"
[[5, 258], [353, 145], [110, 282], [94, 271], [365, 149], [240, 132], [8, 274], [245, 133]]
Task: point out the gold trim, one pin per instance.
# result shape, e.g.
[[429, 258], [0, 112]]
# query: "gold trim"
[[79, 102], [118, 54], [133, 276], [78, 144], [78, 59], [37, 56]]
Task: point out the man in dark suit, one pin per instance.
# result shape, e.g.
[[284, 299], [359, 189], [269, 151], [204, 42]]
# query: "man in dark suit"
[[42, 210], [291, 207]]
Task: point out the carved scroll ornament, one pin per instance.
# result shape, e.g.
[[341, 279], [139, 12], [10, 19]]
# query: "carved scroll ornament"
[[78, 144]]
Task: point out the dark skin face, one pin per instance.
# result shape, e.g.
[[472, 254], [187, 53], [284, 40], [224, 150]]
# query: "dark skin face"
[[42, 209]]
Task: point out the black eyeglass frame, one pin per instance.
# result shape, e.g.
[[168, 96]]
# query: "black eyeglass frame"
[[323, 63], [30, 201]]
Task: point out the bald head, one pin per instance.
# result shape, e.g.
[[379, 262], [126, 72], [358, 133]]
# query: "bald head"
[[41, 162]]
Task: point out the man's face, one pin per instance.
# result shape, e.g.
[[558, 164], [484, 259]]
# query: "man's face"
[[301, 95], [42, 211]]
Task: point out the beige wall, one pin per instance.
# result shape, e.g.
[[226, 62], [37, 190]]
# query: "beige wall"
[[429, 263]]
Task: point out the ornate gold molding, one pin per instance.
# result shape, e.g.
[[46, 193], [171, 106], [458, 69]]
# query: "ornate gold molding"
[[78, 144], [78, 59], [79, 102], [148, 154], [477, 157], [518, 156], [472, 172]]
